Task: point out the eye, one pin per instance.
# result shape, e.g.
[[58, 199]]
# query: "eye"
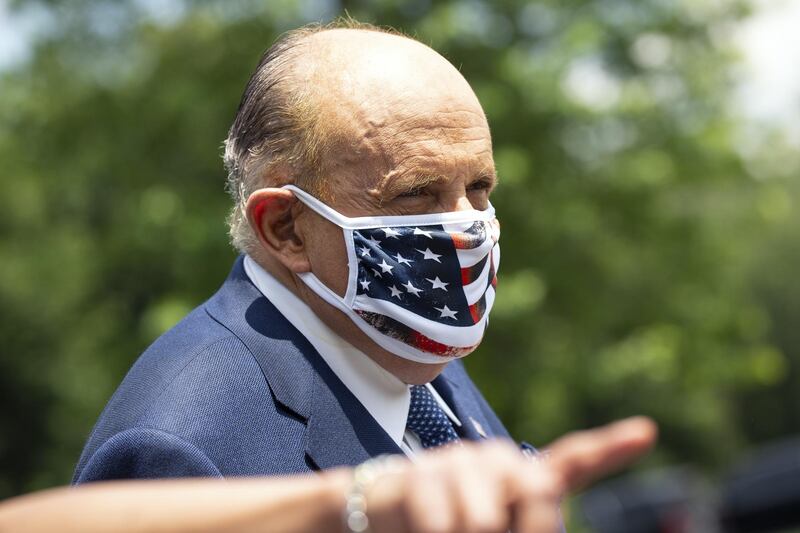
[[481, 184], [412, 193]]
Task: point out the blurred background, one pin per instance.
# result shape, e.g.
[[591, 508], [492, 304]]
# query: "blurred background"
[[649, 156]]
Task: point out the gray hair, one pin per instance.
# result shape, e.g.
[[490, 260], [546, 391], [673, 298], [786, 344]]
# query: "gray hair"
[[274, 126]]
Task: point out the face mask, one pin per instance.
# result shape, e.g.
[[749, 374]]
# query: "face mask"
[[420, 286]]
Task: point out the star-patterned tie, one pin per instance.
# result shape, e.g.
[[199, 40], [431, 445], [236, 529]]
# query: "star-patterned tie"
[[427, 420]]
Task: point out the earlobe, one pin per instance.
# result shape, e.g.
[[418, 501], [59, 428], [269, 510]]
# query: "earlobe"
[[272, 215]]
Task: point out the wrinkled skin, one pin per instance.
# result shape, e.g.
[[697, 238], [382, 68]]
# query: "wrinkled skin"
[[406, 134]]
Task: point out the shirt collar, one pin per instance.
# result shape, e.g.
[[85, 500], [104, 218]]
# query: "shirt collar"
[[385, 396]]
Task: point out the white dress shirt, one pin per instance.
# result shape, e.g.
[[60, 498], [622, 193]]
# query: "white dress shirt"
[[384, 395]]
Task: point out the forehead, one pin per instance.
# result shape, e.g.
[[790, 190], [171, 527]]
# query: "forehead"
[[408, 135], [391, 109], [409, 146]]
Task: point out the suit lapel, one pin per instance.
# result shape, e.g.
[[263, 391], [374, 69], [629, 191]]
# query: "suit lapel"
[[339, 429], [458, 392]]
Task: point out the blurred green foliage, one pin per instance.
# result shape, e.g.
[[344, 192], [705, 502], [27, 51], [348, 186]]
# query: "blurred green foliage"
[[649, 261]]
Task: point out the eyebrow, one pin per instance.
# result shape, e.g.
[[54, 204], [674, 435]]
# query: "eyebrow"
[[416, 181], [388, 189], [488, 173]]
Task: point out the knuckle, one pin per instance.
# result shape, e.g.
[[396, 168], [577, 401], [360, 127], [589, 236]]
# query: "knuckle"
[[544, 485], [434, 523], [418, 475], [458, 459], [487, 525], [503, 446], [497, 455]]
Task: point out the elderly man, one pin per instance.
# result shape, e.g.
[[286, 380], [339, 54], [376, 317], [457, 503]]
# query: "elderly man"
[[360, 164]]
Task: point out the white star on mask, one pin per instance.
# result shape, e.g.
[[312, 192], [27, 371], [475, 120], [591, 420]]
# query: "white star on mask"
[[412, 289], [446, 312], [427, 254], [418, 231], [438, 284], [390, 232], [403, 260], [396, 292], [386, 267]]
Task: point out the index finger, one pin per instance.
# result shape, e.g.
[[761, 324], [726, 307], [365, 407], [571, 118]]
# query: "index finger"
[[582, 457]]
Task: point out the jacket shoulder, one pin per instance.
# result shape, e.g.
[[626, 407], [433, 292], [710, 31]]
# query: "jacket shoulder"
[[145, 453], [222, 402], [152, 372], [200, 383]]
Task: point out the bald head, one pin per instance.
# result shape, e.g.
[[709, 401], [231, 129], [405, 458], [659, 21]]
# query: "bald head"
[[356, 68], [373, 107], [373, 124]]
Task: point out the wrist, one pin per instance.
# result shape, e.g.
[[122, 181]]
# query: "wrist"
[[335, 487], [362, 480]]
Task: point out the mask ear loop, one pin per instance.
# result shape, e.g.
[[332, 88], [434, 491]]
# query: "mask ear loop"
[[321, 209], [352, 261]]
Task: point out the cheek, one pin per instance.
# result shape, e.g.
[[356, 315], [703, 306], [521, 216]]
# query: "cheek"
[[328, 255]]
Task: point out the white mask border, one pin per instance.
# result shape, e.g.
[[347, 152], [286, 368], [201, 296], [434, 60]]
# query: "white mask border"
[[356, 223]]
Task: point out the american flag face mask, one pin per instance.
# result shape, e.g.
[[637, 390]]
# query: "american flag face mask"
[[420, 286]]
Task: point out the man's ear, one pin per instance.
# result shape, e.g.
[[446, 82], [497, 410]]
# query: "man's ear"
[[272, 214]]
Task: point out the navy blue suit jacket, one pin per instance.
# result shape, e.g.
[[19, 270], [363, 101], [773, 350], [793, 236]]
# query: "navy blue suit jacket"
[[234, 389]]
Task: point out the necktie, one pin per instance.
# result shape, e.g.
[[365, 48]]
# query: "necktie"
[[428, 420]]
